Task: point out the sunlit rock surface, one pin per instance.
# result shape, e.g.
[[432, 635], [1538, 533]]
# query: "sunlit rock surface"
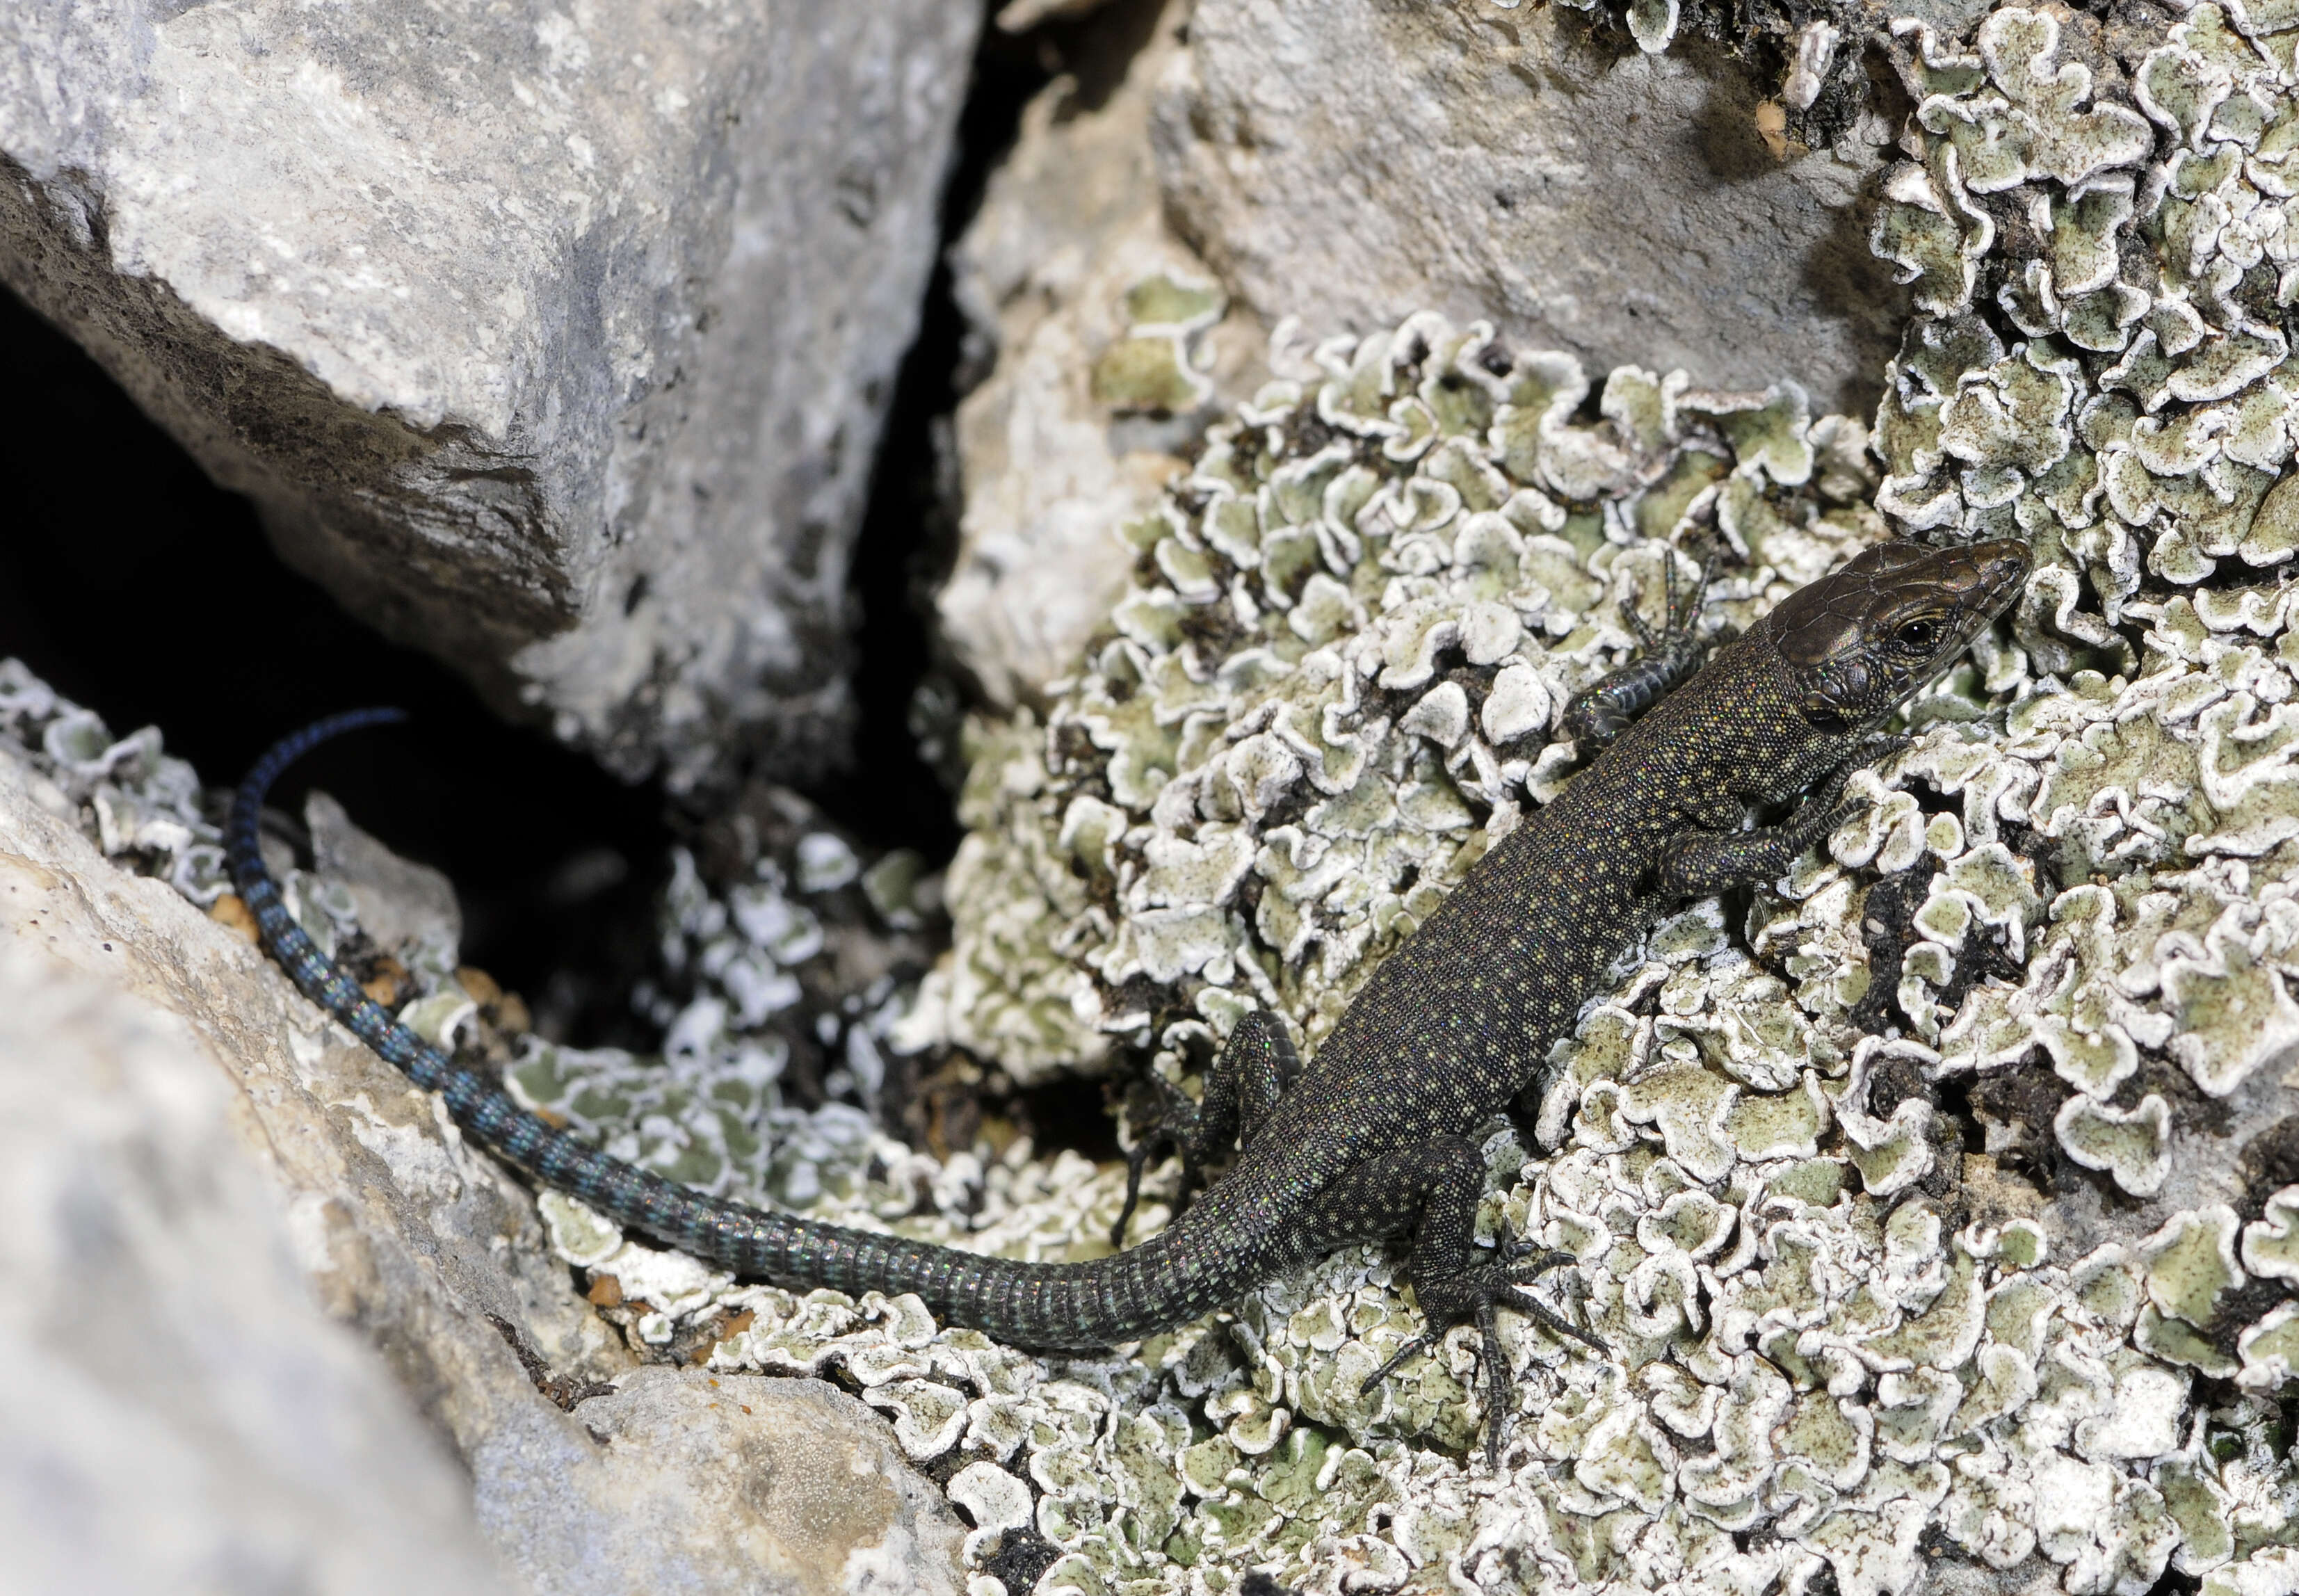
[[180, 1414], [1937, 1202], [1348, 163], [1100, 341], [554, 338], [1343, 165]]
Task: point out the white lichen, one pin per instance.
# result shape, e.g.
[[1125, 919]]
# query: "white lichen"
[[1832, 1322], [1839, 1340]]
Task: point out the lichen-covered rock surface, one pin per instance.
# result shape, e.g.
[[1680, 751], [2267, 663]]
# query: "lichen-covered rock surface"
[[1931, 1202], [1332, 682], [1110, 345], [1934, 1202], [786, 960], [1814, 55], [554, 337]]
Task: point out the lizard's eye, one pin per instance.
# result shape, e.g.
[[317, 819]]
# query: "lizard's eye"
[[1917, 633]]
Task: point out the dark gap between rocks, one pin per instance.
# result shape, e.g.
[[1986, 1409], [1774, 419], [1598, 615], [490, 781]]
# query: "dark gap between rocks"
[[134, 585], [1070, 1113], [891, 795]]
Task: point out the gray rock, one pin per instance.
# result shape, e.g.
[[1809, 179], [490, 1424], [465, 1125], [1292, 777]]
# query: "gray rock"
[[1072, 219], [554, 339], [397, 900], [1346, 164], [180, 1415], [742, 1483], [1349, 162], [401, 1232]]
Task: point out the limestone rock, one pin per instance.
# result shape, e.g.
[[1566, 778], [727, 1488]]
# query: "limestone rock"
[[1072, 222], [554, 338], [180, 1414], [1350, 162], [403, 1233], [1519, 168], [742, 1483], [396, 900]]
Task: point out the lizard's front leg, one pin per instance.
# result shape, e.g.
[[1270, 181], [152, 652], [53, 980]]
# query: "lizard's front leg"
[[1667, 656], [1432, 1188], [1711, 862], [1256, 1067]]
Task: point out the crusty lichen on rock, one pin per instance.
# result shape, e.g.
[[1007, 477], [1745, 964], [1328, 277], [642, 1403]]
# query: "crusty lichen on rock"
[[1333, 683], [1835, 1321]]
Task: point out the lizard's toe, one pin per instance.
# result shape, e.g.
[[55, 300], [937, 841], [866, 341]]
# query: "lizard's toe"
[[1174, 1126], [1472, 1297]]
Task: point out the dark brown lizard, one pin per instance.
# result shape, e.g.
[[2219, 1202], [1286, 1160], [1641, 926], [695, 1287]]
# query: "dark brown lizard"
[[1374, 1137]]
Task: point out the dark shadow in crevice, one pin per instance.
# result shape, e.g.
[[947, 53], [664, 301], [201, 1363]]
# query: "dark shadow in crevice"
[[136, 587], [889, 794]]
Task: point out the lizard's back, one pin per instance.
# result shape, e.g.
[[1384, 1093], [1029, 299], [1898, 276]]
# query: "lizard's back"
[[1460, 1019]]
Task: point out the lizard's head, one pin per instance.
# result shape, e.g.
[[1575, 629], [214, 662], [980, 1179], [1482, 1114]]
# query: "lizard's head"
[[1859, 641]]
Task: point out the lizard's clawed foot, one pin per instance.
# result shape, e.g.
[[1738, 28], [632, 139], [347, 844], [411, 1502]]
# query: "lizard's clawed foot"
[[1819, 817], [1475, 1294], [1177, 1125]]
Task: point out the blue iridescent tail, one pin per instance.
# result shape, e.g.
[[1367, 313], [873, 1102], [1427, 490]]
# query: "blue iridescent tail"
[[1043, 1305]]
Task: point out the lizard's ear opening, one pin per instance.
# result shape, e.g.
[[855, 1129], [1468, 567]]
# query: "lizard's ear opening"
[[1823, 713]]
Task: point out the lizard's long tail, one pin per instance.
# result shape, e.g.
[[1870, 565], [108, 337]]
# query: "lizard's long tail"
[[1165, 1281]]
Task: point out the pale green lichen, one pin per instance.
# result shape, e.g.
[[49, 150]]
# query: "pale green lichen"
[[1331, 686], [795, 960], [2118, 848], [143, 807], [1156, 366]]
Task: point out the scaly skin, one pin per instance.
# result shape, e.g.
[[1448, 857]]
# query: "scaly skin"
[[1374, 1138]]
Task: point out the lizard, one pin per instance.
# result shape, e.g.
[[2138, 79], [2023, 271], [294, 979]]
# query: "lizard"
[[1374, 1136]]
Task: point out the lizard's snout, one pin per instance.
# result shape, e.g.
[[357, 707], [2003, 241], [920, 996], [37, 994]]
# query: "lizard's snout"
[[1992, 573]]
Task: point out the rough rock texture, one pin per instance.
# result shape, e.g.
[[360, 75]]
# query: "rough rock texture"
[[405, 1234], [745, 1485], [1343, 165], [555, 338], [1049, 456], [180, 1415], [1818, 51], [1050, 459], [1349, 162]]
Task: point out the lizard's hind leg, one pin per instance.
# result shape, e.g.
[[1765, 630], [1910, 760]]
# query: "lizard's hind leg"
[[1252, 1073], [1434, 1188]]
